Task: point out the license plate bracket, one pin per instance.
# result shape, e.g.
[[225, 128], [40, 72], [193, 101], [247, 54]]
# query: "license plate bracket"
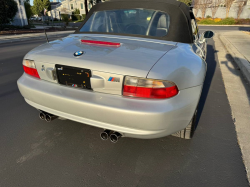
[[73, 76]]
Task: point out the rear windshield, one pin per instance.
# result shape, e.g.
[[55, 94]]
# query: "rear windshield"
[[129, 21]]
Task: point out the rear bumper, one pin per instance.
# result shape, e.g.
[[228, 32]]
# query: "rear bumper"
[[138, 118]]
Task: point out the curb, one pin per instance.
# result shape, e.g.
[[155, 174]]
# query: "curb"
[[240, 60]]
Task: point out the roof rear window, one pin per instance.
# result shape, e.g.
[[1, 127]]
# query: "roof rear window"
[[129, 21]]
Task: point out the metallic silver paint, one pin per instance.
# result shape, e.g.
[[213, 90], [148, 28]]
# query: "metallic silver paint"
[[138, 118], [104, 107], [133, 57], [182, 66]]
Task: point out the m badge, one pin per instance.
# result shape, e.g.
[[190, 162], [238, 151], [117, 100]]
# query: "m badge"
[[114, 79]]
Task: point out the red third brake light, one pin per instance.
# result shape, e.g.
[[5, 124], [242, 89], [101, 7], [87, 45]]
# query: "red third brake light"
[[30, 68], [149, 88], [101, 43]]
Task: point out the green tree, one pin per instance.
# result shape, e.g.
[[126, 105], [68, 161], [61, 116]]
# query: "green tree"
[[8, 10], [47, 5], [28, 9], [38, 7], [187, 2]]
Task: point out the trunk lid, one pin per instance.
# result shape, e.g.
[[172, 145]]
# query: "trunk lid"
[[135, 57]]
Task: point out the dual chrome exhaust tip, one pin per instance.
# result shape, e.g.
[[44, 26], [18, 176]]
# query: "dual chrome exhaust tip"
[[105, 135], [113, 136], [47, 117]]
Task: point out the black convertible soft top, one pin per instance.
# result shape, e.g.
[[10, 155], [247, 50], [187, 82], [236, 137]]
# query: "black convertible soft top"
[[180, 21]]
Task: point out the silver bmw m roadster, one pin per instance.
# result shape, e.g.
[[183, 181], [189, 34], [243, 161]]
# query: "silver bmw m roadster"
[[133, 68]]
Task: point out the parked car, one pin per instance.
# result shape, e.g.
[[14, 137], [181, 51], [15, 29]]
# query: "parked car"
[[136, 71], [32, 18], [35, 18], [39, 19]]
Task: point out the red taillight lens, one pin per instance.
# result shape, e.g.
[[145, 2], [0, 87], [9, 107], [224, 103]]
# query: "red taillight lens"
[[113, 44], [149, 88], [30, 68]]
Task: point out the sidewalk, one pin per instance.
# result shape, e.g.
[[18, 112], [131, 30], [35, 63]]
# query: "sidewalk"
[[237, 44]]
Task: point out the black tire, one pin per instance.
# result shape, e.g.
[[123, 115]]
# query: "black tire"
[[188, 132]]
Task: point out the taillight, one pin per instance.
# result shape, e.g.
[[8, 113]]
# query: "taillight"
[[149, 88], [30, 68]]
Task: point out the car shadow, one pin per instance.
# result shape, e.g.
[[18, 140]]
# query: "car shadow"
[[211, 67]]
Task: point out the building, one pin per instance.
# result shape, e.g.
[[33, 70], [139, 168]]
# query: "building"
[[68, 6], [221, 12], [20, 19]]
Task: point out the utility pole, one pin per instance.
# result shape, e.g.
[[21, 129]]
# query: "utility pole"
[[86, 6]]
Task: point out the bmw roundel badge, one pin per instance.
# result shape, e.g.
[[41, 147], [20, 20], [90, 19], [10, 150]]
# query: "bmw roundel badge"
[[78, 53]]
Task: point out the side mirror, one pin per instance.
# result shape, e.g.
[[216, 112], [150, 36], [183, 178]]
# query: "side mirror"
[[208, 34]]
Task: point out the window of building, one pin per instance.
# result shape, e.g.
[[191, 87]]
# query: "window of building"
[[72, 7], [81, 5]]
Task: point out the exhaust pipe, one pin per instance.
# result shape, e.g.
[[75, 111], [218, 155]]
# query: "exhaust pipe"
[[114, 137], [50, 117], [42, 116], [105, 134]]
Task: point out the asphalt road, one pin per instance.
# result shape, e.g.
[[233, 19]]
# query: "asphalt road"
[[66, 153]]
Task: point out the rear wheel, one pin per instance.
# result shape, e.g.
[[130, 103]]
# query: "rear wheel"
[[188, 132]]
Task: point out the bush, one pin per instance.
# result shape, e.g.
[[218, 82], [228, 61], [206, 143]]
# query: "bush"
[[10, 27], [187, 2], [76, 17], [15, 27], [216, 20], [26, 26], [76, 11], [83, 16], [227, 21], [206, 21], [65, 18], [208, 17], [55, 19], [243, 21]]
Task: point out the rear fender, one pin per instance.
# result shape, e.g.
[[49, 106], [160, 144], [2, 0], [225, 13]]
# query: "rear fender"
[[180, 65]]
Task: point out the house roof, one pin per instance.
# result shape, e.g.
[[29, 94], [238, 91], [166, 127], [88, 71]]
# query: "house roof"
[[54, 3]]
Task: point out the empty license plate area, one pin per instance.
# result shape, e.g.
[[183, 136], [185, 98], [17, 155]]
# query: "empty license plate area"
[[73, 77]]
